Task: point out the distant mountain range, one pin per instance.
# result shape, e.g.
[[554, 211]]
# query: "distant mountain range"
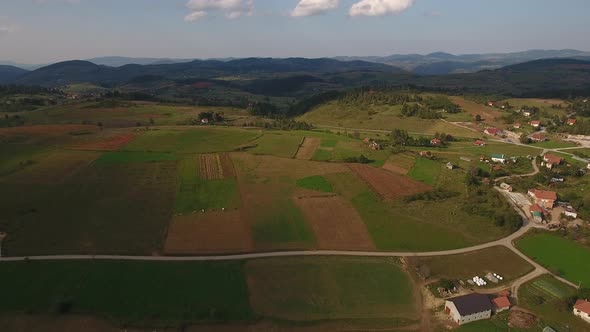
[[10, 73], [440, 63], [71, 72]]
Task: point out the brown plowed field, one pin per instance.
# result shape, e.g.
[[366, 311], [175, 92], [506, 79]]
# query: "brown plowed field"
[[109, 144], [208, 233], [336, 224], [388, 185], [227, 166], [210, 167], [307, 149]]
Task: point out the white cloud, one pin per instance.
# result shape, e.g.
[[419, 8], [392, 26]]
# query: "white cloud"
[[231, 8], [379, 7], [314, 7]]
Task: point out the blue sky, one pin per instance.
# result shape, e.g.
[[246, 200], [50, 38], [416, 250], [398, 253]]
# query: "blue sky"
[[41, 31]]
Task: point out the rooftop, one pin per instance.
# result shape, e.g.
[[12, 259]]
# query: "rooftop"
[[541, 194], [472, 303], [583, 306], [553, 159], [502, 302]]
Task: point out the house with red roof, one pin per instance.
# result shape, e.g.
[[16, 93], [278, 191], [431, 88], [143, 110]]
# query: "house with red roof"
[[516, 126], [435, 142], [493, 131], [545, 199], [538, 137], [501, 303], [536, 123], [479, 143], [582, 310], [552, 160], [571, 122]]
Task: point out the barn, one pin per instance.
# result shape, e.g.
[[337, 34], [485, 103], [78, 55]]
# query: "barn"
[[469, 308]]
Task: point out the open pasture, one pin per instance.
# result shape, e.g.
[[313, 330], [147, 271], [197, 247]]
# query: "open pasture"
[[314, 289], [490, 115], [389, 186], [110, 209], [548, 250], [400, 163], [208, 233], [192, 140], [335, 222]]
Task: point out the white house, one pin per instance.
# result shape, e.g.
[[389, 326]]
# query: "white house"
[[582, 310], [469, 308], [570, 212], [499, 158]]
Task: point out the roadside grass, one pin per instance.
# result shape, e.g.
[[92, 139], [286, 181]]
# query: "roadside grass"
[[426, 170], [498, 259], [322, 288], [277, 144], [129, 293], [104, 208], [548, 250], [317, 183], [498, 323], [395, 226], [134, 157], [546, 297], [191, 140]]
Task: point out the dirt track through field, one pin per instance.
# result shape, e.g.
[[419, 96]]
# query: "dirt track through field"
[[335, 222], [208, 233], [388, 185], [307, 149]]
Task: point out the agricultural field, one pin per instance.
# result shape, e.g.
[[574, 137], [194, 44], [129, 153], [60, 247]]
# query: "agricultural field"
[[192, 140], [426, 170], [499, 260], [489, 115], [548, 250], [277, 144], [173, 294], [316, 289], [547, 298]]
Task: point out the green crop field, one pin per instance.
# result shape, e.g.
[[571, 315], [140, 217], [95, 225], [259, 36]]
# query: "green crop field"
[[277, 144], [136, 293], [106, 208], [426, 170], [313, 289], [317, 183], [548, 249], [192, 140]]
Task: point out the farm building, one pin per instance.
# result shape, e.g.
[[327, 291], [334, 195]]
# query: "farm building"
[[435, 142], [537, 213], [205, 121], [516, 126], [552, 160], [375, 146], [450, 166], [545, 199], [538, 137], [479, 143], [425, 154], [571, 122], [582, 310], [499, 158], [536, 123], [501, 304], [469, 308], [493, 131]]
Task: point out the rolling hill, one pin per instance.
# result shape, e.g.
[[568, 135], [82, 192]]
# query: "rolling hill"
[[10, 73]]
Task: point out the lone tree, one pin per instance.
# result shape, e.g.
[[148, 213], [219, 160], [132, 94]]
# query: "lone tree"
[[478, 118]]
